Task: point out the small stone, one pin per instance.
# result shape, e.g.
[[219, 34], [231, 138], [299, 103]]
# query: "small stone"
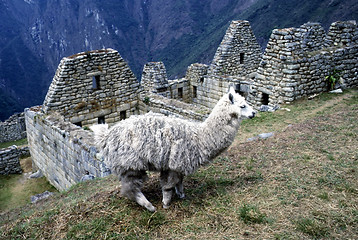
[[38, 197]]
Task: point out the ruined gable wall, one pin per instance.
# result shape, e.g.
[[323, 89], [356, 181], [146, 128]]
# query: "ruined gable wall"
[[154, 78], [236, 58], [91, 85], [238, 53]]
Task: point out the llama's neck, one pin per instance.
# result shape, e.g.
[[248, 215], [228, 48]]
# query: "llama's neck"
[[217, 132]]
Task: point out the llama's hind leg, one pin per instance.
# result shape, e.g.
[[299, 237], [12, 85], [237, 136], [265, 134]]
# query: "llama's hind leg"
[[168, 180], [132, 182]]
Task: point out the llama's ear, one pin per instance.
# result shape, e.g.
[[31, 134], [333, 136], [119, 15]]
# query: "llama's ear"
[[231, 89], [231, 98]]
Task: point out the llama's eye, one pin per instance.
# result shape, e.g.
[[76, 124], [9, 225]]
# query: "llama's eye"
[[243, 106]]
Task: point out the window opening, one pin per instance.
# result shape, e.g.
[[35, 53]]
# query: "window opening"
[[265, 99], [78, 124], [101, 120], [195, 94], [122, 115], [242, 56], [96, 82], [237, 88], [180, 92]]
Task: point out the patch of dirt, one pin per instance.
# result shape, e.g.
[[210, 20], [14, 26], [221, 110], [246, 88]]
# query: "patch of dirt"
[[26, 166]]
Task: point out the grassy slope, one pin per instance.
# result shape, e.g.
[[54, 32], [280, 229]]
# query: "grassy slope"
[[300, 184], [17, 189]]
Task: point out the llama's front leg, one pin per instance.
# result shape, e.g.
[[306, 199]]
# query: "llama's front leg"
[[132, 182], [143, 201], [168, 180], [179, 188]]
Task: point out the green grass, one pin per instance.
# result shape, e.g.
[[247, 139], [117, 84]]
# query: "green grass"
[[16, 189], [312, 227], [14, 192], [300, 184], [251, 214], [17, 143]]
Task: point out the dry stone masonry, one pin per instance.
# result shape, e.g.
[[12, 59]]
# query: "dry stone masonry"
[[13, 128], [154, 78], [297, 60], [98, 87], [238, 54], [62, 151], [10, 160], [93, 87]]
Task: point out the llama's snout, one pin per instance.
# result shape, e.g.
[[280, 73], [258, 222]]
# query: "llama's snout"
[[252, 115]]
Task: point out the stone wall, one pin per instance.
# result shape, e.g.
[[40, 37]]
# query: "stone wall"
[[342, 34], [9, 160], [93, 87], [13, 128], [195, 74], [297, 60], [155, 80], [173, 107], [62, 151], [214, 87], [179, 89]]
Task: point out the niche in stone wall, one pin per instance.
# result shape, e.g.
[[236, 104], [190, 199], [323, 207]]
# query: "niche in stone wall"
[[122, 115], [96, 82], [242, 56], [195, 92], [265, 99], [78, 124], [101, 120], [239, 90], [180, 92]]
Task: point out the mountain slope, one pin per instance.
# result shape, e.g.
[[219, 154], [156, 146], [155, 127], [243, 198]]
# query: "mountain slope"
[[36, 34]]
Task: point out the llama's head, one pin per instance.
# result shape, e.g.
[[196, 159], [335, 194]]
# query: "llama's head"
[[239, 105]]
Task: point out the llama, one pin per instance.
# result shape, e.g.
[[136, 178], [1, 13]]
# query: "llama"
[[174, 147]]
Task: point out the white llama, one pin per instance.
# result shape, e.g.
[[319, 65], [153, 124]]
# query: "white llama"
[[172, 146]]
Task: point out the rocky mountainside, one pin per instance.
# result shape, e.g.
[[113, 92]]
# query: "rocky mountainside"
[[36, 34]]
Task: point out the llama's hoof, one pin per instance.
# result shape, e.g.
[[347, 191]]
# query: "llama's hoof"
[[152, 209], [181, 196]]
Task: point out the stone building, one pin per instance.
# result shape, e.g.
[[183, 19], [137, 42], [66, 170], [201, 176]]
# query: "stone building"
[[90, 88], [297, 60], [237, 57], [93, 87]]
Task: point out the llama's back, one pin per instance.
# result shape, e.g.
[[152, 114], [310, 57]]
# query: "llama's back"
[[151, 142]]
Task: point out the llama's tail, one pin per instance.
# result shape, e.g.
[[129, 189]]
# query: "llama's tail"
[[100, 131]]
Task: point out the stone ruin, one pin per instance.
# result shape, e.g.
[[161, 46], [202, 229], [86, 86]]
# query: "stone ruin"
[[297, 60], [98, 87], [13, 128]]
